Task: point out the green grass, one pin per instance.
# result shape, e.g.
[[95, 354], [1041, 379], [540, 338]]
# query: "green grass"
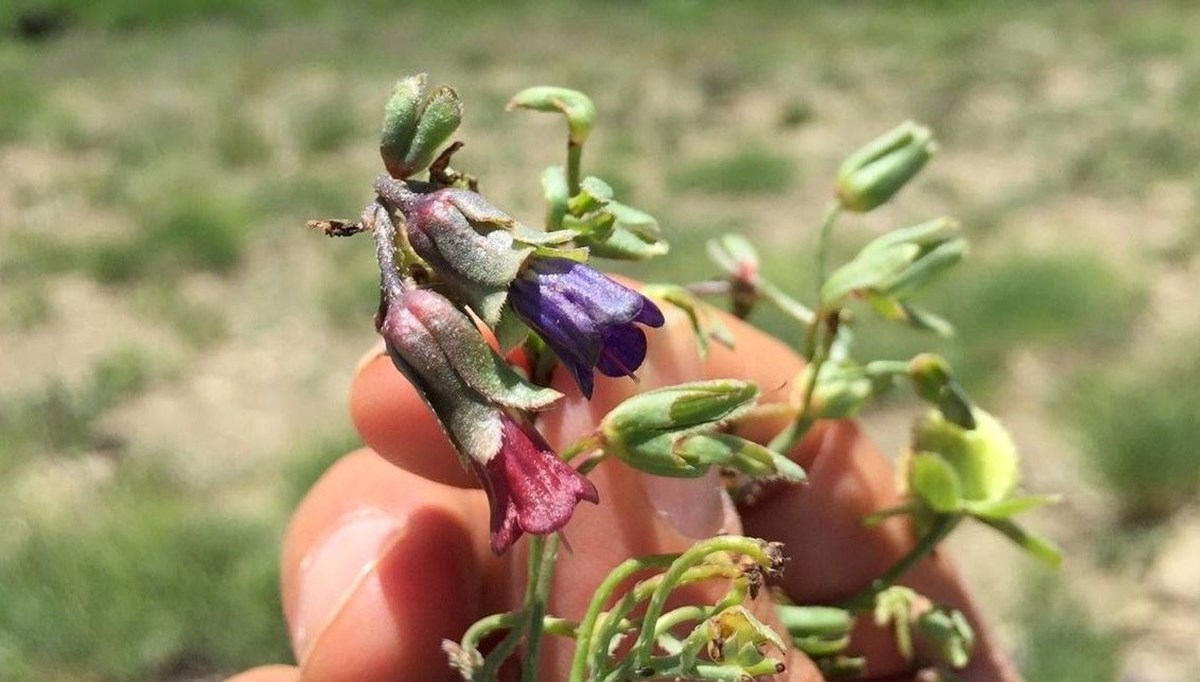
[[62, 419], [350, 296], [197, 232], [146, 580], [749, 171], [1141, 429], [1060, 642], [328, 125], [1019, 301]]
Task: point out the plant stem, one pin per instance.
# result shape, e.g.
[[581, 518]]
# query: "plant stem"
[[626, 570], [832, 210], [390, 283], [574, 157], [754, 549], [791, 436], [543, 554], [942, 527]]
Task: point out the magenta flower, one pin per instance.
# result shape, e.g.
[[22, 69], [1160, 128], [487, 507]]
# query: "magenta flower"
[[529, 488], [475, 396], [589, 320]]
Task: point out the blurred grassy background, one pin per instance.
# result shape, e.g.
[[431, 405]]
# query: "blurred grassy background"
[[176, 348]]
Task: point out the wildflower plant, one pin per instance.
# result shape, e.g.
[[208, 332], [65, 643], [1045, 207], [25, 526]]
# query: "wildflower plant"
[[454, 267]]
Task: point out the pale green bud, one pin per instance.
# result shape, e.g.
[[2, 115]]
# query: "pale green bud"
[[677, 431], [946, 633], [873, 174], [898, 264], [931, 379], [414, 126]]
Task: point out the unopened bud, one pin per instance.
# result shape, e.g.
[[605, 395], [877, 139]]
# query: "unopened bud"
[[899, 263], [933, 382], [414, 126], [946, 634], [873, 174], [676, 431], [469, 242]]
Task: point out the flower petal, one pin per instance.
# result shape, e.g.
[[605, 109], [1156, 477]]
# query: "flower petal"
[[530, 489], [623, 351]]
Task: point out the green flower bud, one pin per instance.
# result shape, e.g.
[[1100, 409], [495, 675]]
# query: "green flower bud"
[[983, 460], [933, 382], [575, 105], [899, 263], [945, 633], [414, 126], [607, 228], [873, 174], [677, 431]]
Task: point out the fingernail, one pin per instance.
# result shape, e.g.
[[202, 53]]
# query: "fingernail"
[[335, 569], [377, 349], [695, 507]]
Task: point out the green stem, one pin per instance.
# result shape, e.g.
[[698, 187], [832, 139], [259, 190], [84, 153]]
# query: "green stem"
[[791, 436], [828, 220], [618, 575], [929, 542], [615, 620], [543, 554], [574, 156], [751, 548]]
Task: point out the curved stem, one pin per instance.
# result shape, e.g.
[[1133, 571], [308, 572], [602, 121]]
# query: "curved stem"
[[698, 553], [618, 575], [390, 283]]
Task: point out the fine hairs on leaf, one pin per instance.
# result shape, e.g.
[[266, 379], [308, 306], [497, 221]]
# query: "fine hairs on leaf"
[[479, 310]]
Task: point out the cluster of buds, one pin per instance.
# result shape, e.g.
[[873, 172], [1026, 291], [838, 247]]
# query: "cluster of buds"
[[448, 260]]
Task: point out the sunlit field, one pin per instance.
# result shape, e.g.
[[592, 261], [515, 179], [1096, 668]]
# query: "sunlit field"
[[175, 347]]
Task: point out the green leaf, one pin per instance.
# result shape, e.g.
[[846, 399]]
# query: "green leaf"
[[935, 482], [866, 271], [400, 116], [1009, 507], [439, 120], [1037, 546]]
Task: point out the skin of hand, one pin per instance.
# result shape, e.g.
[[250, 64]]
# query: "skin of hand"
[[388, 554]]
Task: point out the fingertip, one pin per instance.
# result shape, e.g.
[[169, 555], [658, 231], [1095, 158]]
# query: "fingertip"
[[394, 421], [378, 566], [268, 673]]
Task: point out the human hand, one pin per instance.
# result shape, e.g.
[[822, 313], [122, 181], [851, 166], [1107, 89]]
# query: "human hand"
[[389, 553]]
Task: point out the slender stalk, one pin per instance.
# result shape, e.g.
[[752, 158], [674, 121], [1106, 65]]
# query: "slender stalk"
[[791, 436], [828, 220], [545, 552], [574, 158], [698, 552], [523, 623], [618, 575], [390, 283], [941, 528]]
